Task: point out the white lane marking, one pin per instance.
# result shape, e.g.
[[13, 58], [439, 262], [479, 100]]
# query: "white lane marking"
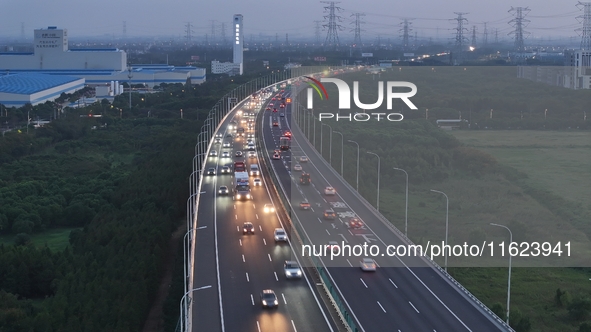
[[363, 282], [202, 227], [243, 260], [247, 279], [252, 299], [293, 325], [264, 241], [260, 228], [311, 208], [234, 206], [240, 240], [275, 273], [392, 282], [384, 310], [344, 237], [256, 215], [258, 326], [236, 216], [327, 231], [284, 300], [320, 220], [270, 260], [351, 233], [413, 307], [349, 262], [237, 228]]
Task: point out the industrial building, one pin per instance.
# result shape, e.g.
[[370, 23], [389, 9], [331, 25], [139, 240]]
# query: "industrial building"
[[97, 66], [32, 88], [236, 66], [575, 74]]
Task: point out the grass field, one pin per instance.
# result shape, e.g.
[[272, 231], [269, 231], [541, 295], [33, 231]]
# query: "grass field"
[[56, 239]]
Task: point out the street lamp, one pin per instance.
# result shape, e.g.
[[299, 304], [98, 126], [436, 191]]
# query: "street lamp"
[[446, 222], [378, 200], [350, 141], [129, 75], [509, 278], [406, 207], [329, 145], [183, 300], [338, 132]]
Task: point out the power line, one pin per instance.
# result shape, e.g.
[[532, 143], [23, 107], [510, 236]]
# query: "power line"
[[332, 36], [317, 31], [473, 41], [460, 39], [585, 31], [405, 30], [357, 29], [189, 32], [519, 22], [485, 36]]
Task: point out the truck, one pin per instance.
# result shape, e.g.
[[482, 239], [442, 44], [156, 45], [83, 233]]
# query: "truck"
[[284, 142], [305, 179], [242, 187], [239, 166]]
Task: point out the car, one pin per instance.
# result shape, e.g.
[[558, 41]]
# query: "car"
[[305, 205], [211, 171], [225, 154], [218, 135], [274, 110], [268, 108], [333, 246], [238, 154], [217, 141], [268, 208], [229, 135], [297, 167], [287, 133], [282, 106], [227, 144], [281, 114], [330, 191], [280, 235], [303, 159], [252, 154], [273, 98], [355, 223], [251, 135], [247, 228], [275, 124], [276, 156], [292, 269], [329, 214], [225, 169], [257, 182], [251, 147], [213, 153], [223, 191], [269, 299], [368, 264], [250, 140]]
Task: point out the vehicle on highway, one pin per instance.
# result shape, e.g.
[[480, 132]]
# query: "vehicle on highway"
[[268, 208], [355, 223], [254, 170], [303, 159], [269, 299], [297, 167], [250, 135], [229, 135], [213, 153], [329, 191], [287, 133], [217, 141], [282, 114], [257, 182], [282, 105], [333, 245], [211, 171], [232, 125], [305, 205], [292, 270], [238, 154], [240, 166], [251, 147], [275, 123], [280, 235], [242, 188], [274, 110], [305, 179], [368, 264], [225, 170], [225, 154], [252, 154], [218, 135], [223, 191], [268, 108], [227, 144], [276, 155], [329, 214], [284, 142], [247, 228], [249, 141], [273, 98]]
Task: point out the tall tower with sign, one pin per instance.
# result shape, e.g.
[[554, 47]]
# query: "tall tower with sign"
[[238, 43]]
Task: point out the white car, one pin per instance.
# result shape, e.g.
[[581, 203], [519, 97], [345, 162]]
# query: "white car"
[[330, 191], [225, 170], [218, 135], [280, 235], [257, 182], [227, 144], [297, 167], [218, 141], [303, 159], [250, 135], [252, 154], [368, 264], [213, 153], [225, 154], [223, 191], [292, 270], [269, 208]]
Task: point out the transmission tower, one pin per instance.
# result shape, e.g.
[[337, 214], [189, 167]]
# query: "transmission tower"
[[332, 36], [485, 36], [223, 33], [22, 31], [460, 39], [404, 31], [124, 29], [473, 41], [585, 31], [519, 22], [213, 32], [496, 35], [317, 31], [188, 32], [276, 39], [416, 40], [286, 40], [357, 29]]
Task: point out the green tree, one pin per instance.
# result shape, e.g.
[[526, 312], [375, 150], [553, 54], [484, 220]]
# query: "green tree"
[[579, 308]]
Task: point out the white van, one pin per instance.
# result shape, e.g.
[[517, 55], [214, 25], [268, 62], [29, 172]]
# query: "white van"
[[254, 170]]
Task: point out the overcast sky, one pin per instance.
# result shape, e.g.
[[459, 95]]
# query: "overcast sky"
[[431, 18]]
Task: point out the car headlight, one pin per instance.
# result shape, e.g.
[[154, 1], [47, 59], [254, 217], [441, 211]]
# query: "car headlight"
[[276, 302], [287, 273], [247, 195], [237, 195], [264, 302], [299, 273]]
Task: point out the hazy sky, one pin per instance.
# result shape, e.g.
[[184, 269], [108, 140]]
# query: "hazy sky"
[[431, 18]]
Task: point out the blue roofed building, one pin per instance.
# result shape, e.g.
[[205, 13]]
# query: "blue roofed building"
[[19, 89]]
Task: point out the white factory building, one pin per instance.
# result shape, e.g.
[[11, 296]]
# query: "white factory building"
[[32, 88], [236, 66], [575, 74], [97, 66]]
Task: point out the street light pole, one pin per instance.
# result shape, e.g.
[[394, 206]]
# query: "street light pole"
[[406, 207], [321, 127], [378, 200], [338, 132], [129, 75], [329, 145], [183, 300], [509, 278], [446, 221], [350, 141]]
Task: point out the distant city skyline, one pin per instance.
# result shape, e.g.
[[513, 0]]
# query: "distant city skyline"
[[550, 19]]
